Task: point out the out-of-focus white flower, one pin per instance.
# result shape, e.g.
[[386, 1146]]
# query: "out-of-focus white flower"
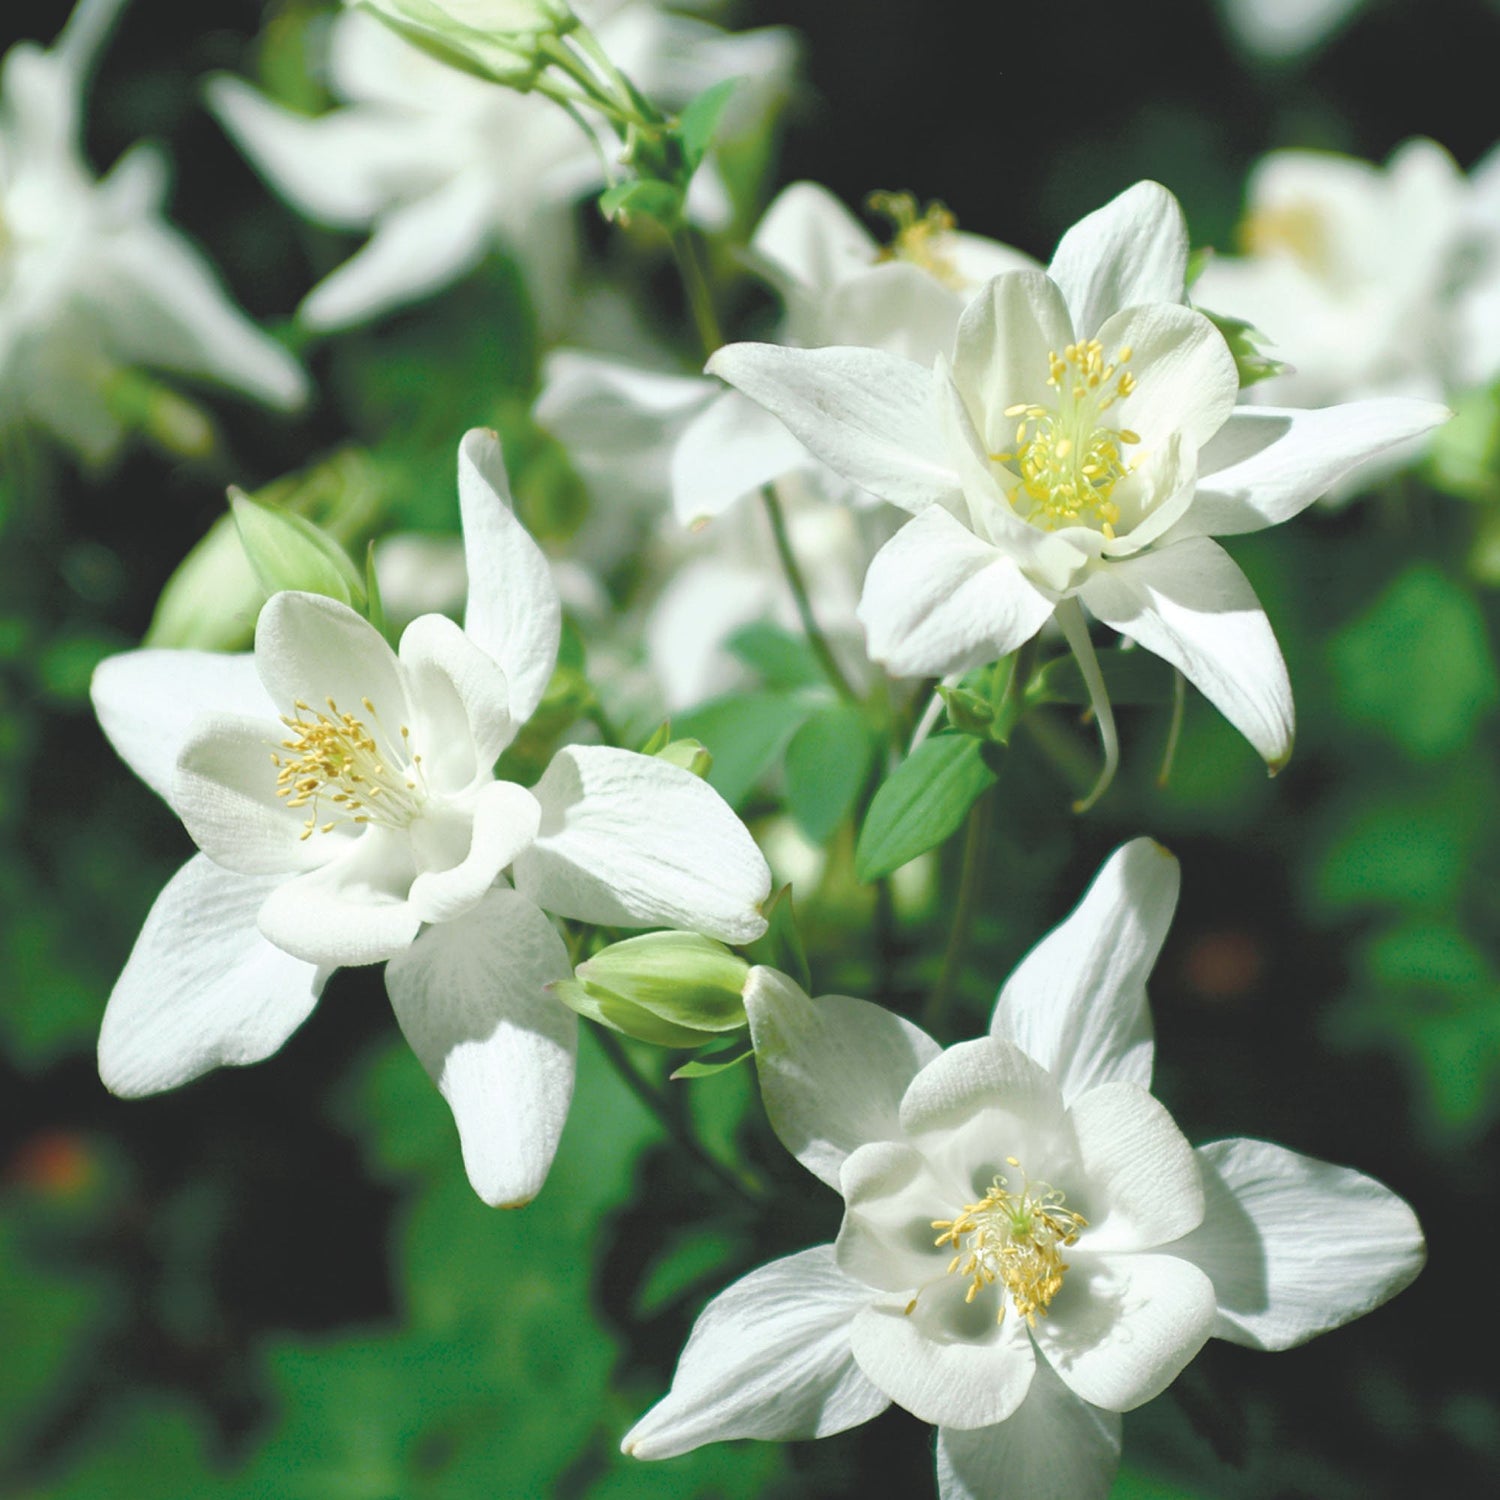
[[1029, 1246], [1287, 28], [1083, 447], [498, 39], [345, 803], [440, 166], [93, 281]]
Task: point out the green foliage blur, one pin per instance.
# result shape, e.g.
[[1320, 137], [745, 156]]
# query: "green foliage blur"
[[277, 1282]]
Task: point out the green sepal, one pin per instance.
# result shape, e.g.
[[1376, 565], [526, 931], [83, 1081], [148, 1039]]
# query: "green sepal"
[[707, 1067]]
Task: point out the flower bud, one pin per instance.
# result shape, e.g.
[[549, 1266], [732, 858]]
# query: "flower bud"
[[493, 39], [691, 755], [672, 989], [211, 601], [286, 551]]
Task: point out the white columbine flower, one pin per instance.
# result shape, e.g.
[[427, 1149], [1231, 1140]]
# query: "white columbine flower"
[[93, 281], [344, 801], [1081, 449], [1029, 1245], [439, 165]]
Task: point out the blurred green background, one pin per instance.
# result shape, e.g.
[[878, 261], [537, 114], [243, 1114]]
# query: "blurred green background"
[[276, 1282]]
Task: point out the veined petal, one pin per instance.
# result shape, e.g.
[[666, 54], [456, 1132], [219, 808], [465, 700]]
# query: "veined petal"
[[1139, 1177], [810, 240], [149, 703], [729, 450], [945, 1360], [938, 599], [1268, 464], [1052, 1447], [868, 415], [1077, 1001], [629, 841], [832, 1070], [1190, 604], [1123, 1327], [471, 997], [460, 702], [202, 988], [1296, 1246], [1132, 251], [768, 1358], [895, 306], [513, 613], [505, 820], [352, 910], [891, 1195]]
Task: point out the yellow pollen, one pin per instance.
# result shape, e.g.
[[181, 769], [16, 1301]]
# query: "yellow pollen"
[[1066, 461], [1015, 1238], [920, 236], [1295, 229], [333, 758]]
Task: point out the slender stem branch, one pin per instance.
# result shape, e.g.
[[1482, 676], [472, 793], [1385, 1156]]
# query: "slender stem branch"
[[695, 284], [1174, 729], [655, 1100], [970, 881]]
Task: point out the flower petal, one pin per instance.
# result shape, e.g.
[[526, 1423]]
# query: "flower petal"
[[946, 1360], [149, 702], [832, 1070], [202, 988], [460, 703], [471, 999], [504, 822], [1268, 464], [891, 1197], [768, 1358], [352, 910], [1077, 1001], [513, 613], [938, 599], [1190, 604], [1139, 1180], [728, 451], [1132, 251], [809, 241], [1123, 1327], [868, 415], [1296, 1246], [1052, 1447], [630, 841]]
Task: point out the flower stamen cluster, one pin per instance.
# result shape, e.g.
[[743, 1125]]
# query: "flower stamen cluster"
[[335, 758], [1015, 1238], [919, 237]]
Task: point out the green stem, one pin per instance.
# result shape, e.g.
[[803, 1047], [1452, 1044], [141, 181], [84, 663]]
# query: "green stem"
[[1174, 730], [970, 881], [655, 1100], [695, 284]]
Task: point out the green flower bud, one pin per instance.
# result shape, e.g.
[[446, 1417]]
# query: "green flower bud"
[[493, 39], [211, 601], [691, 755], [672, 989], [286, 551]]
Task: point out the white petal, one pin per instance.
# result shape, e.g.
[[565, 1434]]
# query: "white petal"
[[1132, 251], [352, 910], [1190, 604], [472, 1000], [202, 988], [895, 306], [1123, 1327], [460, 703], [891, 1197], [1140, 1185], [418, 247], [1077, 1001], [729, 451], [810, 240], [946, 1361], [1053, 1447], [504, 822], [630, 841], [832, 1070], [868, 415], [1297, 1246], [938, 599], [513, 614], [149, 702], [768, 1358], [1268, 464]]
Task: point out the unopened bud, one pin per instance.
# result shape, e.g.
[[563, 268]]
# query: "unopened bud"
[[493, 39], [286, 551], [691, 755]]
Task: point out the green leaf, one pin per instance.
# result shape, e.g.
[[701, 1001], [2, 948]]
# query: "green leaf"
[[827, 762], [925, 800], [745, 733], [1417, 667], [645, 196], [781, 659], [707, 1067], [700, 119]]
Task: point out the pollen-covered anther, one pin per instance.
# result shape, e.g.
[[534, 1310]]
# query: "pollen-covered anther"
[[336, 759], [1015, 1238], [920, 235]]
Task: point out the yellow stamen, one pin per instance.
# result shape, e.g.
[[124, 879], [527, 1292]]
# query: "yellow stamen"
[[920, 235]]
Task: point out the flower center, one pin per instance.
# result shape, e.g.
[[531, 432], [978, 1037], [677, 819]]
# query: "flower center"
[[336, 768], [1296, 229], [1016, 1238], [1066, 460], [919, 237]]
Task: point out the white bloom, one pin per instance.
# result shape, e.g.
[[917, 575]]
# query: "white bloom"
[[344, 801], [1083, 445], [1286, 28], [439, 165], [1029, 1246], [93, 281]]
